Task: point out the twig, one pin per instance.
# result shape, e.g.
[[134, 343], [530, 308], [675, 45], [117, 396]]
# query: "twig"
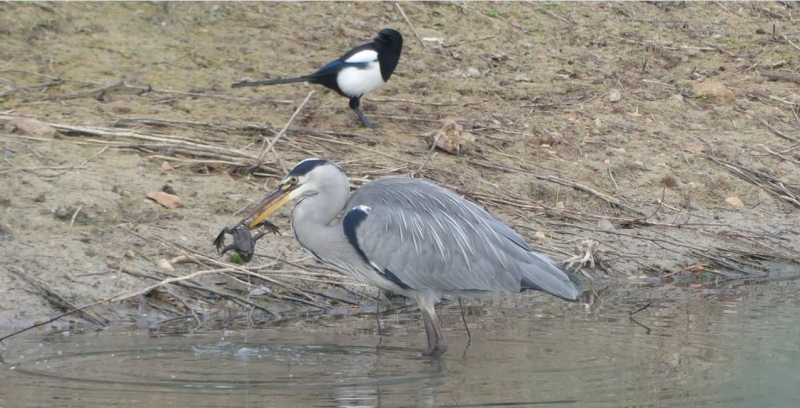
[[20, 71], [787, 39], [23, 88], [409, 101], [782, 76], [456, 44], [80, 309], [403, 13], [85, 162], [700, 266], [55, 298], [517, 26], [551, 14], [91, 92], [168, 281], [557, 180], [11, 170], [433, 147], [778, 132], [283, 131], [75, 215], [784, 157], [640, 309]]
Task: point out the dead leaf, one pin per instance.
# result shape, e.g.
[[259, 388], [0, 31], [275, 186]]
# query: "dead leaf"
[[31, 127], [165, 199], [734, 201], [452, 138]]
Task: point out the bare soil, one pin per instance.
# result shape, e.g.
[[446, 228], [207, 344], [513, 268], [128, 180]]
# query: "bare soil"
[[586, 120]]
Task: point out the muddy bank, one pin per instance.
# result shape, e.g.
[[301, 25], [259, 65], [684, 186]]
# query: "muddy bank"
[[666, 134]]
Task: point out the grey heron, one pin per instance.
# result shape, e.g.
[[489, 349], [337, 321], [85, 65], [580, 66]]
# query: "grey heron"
[[410, 237]]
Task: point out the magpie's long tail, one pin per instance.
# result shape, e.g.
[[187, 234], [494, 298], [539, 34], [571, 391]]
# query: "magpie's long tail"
[[274, 81]]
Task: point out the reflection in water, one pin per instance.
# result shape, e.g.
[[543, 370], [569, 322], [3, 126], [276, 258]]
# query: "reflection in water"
[[737, 346]]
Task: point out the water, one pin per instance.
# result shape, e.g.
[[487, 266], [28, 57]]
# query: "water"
[[736, 346]]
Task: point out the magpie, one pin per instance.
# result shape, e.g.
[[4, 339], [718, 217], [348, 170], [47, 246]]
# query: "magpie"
[[360, 71]]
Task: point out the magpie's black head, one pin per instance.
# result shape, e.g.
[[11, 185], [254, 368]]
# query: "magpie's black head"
[[389, 44], [391, 39]]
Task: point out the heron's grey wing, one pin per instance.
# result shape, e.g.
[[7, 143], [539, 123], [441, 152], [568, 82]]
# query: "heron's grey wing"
[[431, 238]]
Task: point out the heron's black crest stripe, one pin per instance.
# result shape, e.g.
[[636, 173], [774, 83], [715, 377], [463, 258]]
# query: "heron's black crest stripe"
[[350, 222], [306, 166]]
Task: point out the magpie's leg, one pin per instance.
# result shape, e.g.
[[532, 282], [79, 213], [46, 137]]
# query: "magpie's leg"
[[354, 105]]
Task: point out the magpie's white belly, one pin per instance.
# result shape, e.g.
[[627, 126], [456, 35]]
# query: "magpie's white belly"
[[357, 82]]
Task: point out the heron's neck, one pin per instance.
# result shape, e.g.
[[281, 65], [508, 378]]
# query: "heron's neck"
[[312, 216]]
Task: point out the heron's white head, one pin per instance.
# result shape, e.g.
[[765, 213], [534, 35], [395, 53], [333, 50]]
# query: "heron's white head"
[[309, 177]]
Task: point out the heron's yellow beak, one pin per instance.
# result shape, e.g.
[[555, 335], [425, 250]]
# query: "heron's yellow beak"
[[271, 203]]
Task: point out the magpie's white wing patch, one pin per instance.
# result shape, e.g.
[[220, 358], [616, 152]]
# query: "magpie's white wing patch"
[[359, 81], [363, 57]]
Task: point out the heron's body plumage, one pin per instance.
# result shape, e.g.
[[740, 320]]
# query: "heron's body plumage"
[[431, 238]]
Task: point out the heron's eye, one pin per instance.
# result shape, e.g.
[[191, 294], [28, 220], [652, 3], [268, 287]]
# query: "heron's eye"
[[293, 180]]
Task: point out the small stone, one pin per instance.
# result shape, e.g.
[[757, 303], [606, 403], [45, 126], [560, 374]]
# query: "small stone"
[[713, 91], [734, 201], [31, 127], [522, 78], [675, 100], [473, 72], [560, 205], [614, 95], [599, 123], [605, 225], [165, 166], [187, 192], [539, 234], [164, 264], [165, 199], [130, 254]]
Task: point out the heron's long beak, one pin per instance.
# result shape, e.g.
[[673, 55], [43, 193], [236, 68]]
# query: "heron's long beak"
[[270, 204]]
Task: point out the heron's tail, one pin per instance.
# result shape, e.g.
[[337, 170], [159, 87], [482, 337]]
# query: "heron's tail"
[[274, 81], [545, 276]]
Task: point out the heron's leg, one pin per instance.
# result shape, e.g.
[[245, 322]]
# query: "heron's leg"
[[437, 344], [354, 105], [464, 319], [378, 318]]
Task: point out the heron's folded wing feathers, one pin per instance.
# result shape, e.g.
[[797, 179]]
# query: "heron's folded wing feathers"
[[429, 237]]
